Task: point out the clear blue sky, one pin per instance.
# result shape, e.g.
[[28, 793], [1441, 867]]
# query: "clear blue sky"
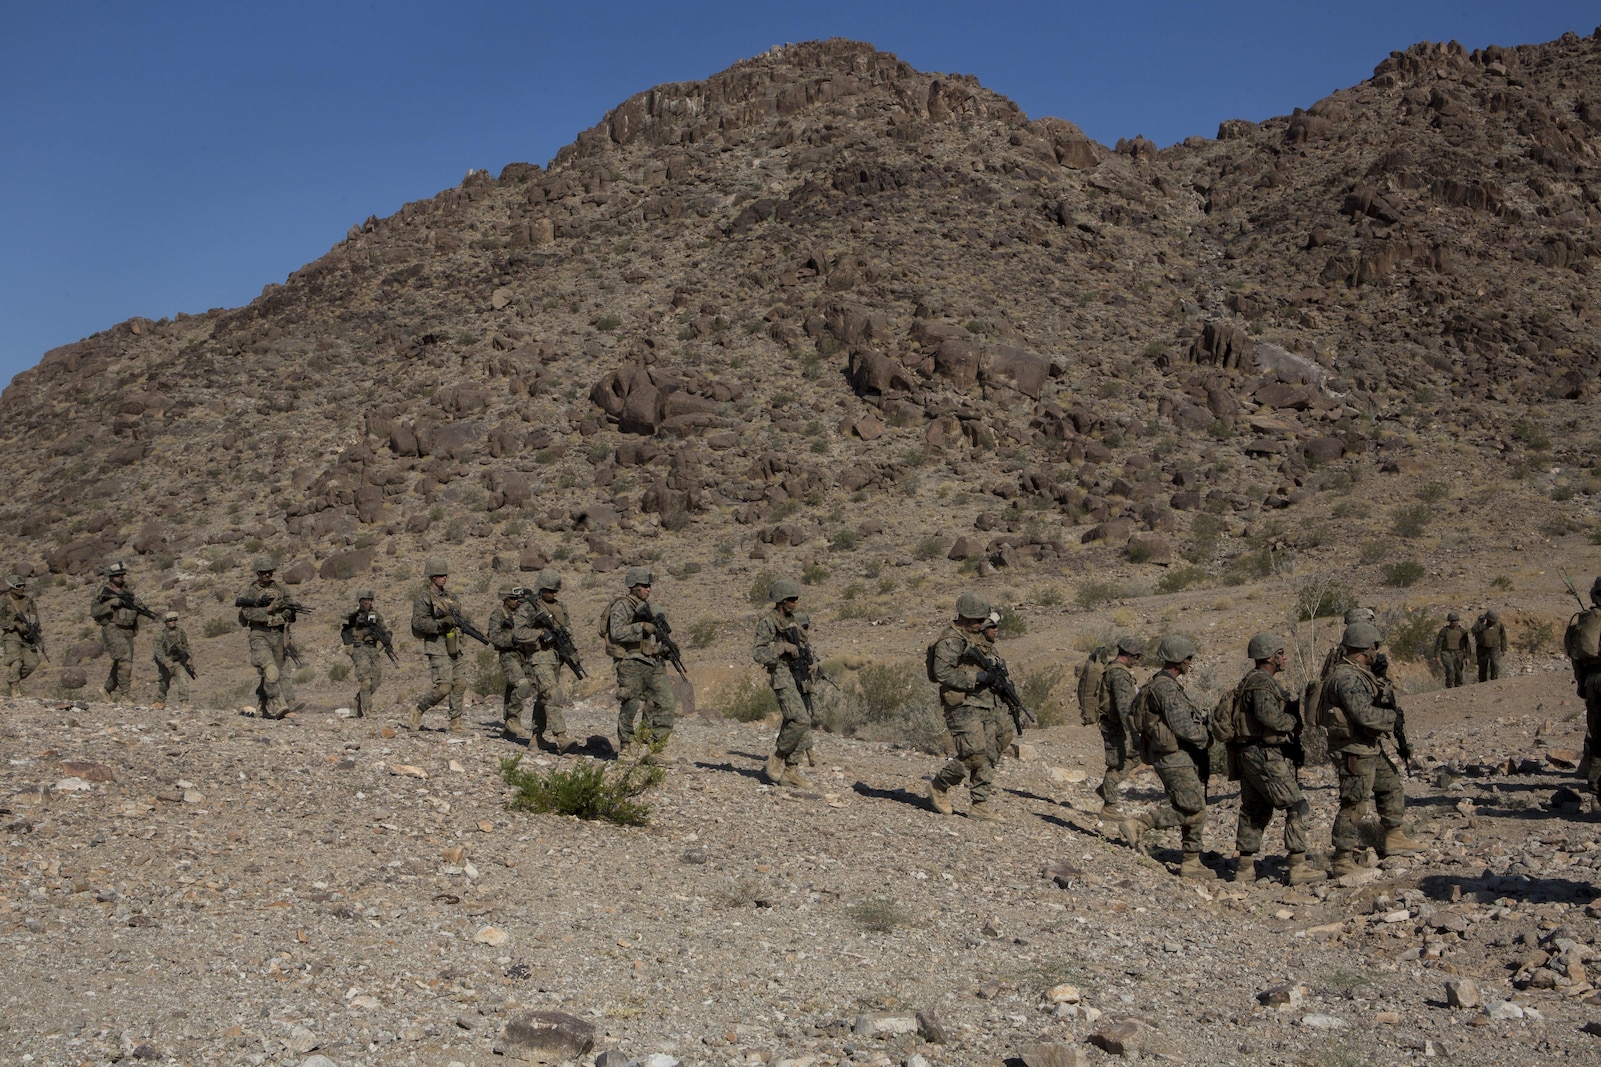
[[158, 157]]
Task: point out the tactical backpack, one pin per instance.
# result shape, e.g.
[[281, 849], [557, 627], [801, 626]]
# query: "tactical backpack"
[[613, 649], [1092, 685], [1224, 724], [1155, 737], [1582, 639]]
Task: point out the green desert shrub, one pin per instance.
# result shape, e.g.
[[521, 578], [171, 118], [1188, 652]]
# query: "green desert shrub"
[[587, 790]]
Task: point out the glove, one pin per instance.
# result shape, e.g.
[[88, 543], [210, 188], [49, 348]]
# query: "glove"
[[787, 649], [983, 678], [648, 628]]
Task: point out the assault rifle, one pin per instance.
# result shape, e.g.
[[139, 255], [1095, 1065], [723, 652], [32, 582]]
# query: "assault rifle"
[[1000, 683], [386, 640], [125, 598], [1294, 748], [291, 653], [1583, 607], [561, 639], [455, 617], [664, 637], [184, 662], [34, 635], [1403, 747], [266, 600]]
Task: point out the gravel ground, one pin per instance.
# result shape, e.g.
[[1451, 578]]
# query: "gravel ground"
[[203, 887]]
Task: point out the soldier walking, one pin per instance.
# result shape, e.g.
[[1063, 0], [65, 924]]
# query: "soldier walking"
[[1582, 641], [1117, 734], [643, 689], [1489, 642], [21, 640], [435, 620], [549, 625], [502, 633], [1453, 647], [1265, 722], [1174, 740], [782, 645], [267, 610], [364, 635], [1359, 712], [118, 611], [973, 711], [173, 661]]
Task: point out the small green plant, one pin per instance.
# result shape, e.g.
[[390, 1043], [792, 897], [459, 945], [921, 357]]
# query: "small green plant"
[[930, 547], [608, 323], [303, 676], [1536, 639], [1409, 632], [843, 540], [1012, 624], [217, 627], [1096, 592], [1048, 597], [878, 915], [1501, 582], [1375, 551], [1319, 598], [1403, 573], [1180, 578], [759, 587], [747, 700], [339, 672], [703, 633], [588, 790], [1038, 690], [886, 688], [1411, 520], [1138, 552], [812, 574], [489, 679], [1433, 492]]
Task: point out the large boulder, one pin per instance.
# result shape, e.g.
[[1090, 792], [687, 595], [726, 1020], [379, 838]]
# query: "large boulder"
[[1016, 368], [343, 566], [545, 1037]]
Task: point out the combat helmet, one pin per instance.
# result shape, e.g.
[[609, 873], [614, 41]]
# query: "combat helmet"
[[1129, 645], [638, 576], [15, 581], [1263, 646], [1492, 616], [1361, 636], [1453, 616], [264, 565], [547, 579], [1175, 648], [365, 594], [784, 589], [436, 568], [972, 606], [1358, 615], [171, 616], [1595, 590], [115, 568], [511, 592]]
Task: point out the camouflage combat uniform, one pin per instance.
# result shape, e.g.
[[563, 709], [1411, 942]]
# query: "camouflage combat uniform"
[[433, 622], [1453, 647], [504, 636], [643, 688], [547, 713], [1264, 724], [1356, 725], [119, 625], [1173, 754], [19, 649], [773, 631], [366, 656], [269, 640], [171, 653], [979, 726], [1489, 640], [1117, 734]]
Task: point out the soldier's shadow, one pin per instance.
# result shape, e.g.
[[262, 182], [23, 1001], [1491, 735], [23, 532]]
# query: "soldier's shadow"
[[1487, 889], [756, 774], [898, 795]]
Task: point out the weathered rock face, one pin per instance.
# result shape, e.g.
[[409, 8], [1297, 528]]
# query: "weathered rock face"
[[546, 1037]]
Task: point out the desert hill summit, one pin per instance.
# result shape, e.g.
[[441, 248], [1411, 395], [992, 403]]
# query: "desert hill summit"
[[867, 324]]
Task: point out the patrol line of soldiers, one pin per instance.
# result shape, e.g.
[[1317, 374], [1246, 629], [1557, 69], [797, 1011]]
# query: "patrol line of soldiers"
[[1455, 646]]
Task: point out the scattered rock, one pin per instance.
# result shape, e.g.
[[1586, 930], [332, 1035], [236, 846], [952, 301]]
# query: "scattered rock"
[[546, 1037]]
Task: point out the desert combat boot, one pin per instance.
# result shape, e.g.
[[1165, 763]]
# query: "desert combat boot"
[[939, 799], [1192, 869], [1300, 872], [1396, 843]]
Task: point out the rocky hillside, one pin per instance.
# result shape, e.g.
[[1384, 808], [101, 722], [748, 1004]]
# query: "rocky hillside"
[[823, 313]]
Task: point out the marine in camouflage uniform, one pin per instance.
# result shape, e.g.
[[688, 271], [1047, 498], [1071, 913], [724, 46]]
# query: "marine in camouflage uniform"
[[973, 711], [269, 624], [1352, 714], [360, 633], [1117, 733], [119, 625], [1489, 643], [778, 645], [502, 634], [1174, 739], [1264, 723], [1587, 676], [543, 614], [171, 654], [643, 688], [1453, 647], [433, 621], [19, 635]]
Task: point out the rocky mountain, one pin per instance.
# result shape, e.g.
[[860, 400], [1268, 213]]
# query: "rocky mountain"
[[823, 313]]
